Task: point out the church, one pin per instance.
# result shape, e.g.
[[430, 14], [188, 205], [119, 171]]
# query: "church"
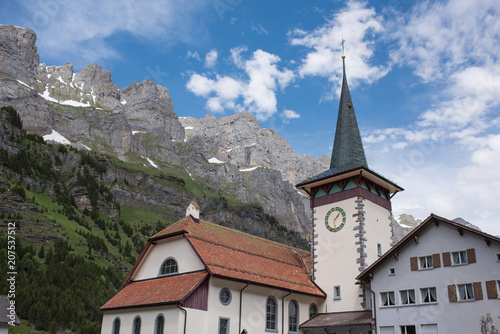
[[199, 277]]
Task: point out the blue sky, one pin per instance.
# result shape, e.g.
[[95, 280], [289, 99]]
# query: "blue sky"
[[424, 77]]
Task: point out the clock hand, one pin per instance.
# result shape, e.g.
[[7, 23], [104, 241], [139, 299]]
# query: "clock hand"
[[334, 219]]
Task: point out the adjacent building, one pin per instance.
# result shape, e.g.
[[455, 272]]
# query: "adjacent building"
[[443, 277]]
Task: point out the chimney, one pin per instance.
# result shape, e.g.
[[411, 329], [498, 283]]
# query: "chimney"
[[193, 209]]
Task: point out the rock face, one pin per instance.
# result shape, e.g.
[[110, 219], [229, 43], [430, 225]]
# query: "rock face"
[[239, 140], [138, 122], [18, 53]]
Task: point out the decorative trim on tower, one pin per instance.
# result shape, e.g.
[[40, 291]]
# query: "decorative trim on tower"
[[360, 235], [314, 243]]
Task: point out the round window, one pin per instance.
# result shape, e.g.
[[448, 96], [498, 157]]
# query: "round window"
[[225, 296]]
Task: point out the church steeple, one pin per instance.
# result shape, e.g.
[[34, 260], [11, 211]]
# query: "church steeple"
[[347, 146]]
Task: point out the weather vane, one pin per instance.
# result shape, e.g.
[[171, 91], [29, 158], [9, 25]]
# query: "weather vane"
[[342, 43]]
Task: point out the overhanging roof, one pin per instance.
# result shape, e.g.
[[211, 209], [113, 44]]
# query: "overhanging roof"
[[339, 319]]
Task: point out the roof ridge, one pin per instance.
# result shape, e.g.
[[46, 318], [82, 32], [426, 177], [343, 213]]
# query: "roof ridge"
[[252, 236], [245, 252]]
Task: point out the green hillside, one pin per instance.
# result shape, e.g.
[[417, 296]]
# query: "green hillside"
[[81, 218]]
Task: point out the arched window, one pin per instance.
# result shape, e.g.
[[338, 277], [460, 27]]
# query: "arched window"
[[137, 325], [169, 267], [116, 326], [313, 310], [293, 316], [159, 324], [271, 312]]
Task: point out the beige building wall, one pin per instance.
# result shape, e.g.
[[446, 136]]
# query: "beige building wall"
[[338, 260]]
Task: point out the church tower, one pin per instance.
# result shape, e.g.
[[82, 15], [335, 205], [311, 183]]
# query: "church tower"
[[351, 214]]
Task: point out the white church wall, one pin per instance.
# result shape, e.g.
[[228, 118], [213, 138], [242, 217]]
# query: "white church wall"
[[253, 312], [177, 248], [174, 320], [443, 315]]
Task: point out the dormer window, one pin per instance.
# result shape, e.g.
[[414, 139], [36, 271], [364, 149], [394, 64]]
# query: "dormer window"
[[169, 267]]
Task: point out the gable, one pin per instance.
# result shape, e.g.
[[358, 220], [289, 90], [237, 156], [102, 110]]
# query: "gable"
[[177, 248], [438, 238]]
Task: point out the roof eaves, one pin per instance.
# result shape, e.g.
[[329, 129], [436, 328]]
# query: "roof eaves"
[[128, 307]]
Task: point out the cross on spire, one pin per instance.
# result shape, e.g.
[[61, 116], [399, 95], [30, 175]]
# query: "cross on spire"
[[342, 44]]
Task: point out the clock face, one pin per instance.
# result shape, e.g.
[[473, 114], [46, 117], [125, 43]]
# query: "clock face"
[[335, 219]]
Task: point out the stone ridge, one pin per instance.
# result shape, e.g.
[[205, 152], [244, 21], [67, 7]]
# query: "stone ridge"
[[138, 122], [239, 140]]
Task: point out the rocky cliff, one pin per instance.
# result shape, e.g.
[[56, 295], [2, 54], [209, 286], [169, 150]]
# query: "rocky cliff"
[[232, 154]]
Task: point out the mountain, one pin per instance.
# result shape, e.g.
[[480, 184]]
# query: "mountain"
[[138, 122]]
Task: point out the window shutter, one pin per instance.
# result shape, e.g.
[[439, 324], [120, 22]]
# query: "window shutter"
[[436, 261], [491, 289], [478, 291], [452, 293], [471, 255], [413, 263], [446, 259]]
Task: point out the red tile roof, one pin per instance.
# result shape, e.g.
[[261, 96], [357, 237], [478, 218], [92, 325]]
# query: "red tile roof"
[[237, 255], [156, 291]]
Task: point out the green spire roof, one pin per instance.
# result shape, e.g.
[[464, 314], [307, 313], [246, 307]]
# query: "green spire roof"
[[347, 147]]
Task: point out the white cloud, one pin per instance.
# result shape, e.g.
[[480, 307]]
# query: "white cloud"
[[257, 93], [211, 58], [259, 29], [437, 38], [357, 25], [194, 55], [290, 114], [80, 29]]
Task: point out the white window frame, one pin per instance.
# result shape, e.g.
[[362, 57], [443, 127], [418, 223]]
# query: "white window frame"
[[392, 271], [428, 292], [388, 301], [407, 294], [465, 292], [425, 262], [462, 258]]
